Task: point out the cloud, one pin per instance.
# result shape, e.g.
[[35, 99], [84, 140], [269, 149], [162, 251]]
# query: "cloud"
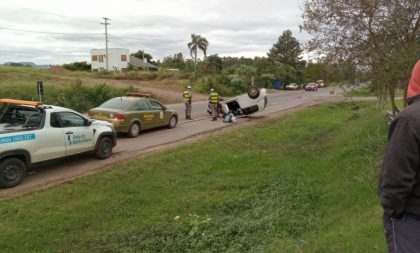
[[160, 27]]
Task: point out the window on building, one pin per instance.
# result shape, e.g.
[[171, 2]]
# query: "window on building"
[[123, 57], [94, 58], [101, 58]]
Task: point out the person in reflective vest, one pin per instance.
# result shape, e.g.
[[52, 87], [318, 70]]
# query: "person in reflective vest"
[[187, 95], [214, 100]]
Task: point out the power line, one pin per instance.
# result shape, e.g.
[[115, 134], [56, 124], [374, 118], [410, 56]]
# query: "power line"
[[56, 33], [59, 15], [127, 42]]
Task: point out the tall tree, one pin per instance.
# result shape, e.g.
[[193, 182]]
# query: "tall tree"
[[197, 42], [379, 35], [215, 63], [286, 50], [141, 54], [175, 61]]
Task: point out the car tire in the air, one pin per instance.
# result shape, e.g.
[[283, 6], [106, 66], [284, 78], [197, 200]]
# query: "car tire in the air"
[[253, 92]]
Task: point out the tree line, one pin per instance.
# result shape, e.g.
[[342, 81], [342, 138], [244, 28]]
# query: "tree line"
[[283, 62], [379, 37]]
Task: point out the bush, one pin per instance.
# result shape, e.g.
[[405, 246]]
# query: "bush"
[[219, 83], [266, 80], [78, 66], [238, 84], [136, 75], [75, 95]]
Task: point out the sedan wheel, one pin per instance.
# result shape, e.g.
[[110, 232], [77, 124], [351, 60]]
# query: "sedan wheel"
[[134, 130], [172, 122]]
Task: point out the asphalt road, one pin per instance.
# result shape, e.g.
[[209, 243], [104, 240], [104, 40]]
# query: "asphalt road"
[[59, 171]]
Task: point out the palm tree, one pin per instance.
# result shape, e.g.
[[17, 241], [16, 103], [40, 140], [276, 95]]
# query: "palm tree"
[[197, 42]]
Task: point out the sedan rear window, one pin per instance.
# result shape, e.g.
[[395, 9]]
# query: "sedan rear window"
[[116, 103]]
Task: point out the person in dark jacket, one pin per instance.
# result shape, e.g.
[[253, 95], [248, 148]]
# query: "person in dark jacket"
[[399, 187]]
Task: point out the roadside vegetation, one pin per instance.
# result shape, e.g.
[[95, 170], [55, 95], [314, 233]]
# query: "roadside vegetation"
[[20, 83], [368, 43], [301, 183]]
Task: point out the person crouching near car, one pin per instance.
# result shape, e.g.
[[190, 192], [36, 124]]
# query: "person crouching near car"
[[214, 100], [399, 187], [187, 95]]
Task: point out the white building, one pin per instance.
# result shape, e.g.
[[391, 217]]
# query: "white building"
[[118, 60]]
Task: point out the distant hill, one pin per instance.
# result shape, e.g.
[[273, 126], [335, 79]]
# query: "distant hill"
[[27, 64]]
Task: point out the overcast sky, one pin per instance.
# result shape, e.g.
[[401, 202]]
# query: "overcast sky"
[[160, 27]]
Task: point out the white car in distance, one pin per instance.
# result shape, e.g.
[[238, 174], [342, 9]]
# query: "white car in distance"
[[292, 86]]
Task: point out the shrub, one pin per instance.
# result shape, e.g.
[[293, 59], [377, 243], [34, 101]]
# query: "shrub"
[[78, 66], [238, 84], [75, 95], [225, 85], [266, 80]]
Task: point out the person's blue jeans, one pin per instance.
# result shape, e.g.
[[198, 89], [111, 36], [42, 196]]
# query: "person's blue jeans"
[[402, 234]]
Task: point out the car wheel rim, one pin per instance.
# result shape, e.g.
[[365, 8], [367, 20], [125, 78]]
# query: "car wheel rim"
[[11, 173], [135, 130], [173, 122]]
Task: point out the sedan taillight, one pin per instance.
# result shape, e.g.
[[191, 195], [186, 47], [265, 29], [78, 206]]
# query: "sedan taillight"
[[119, 117]]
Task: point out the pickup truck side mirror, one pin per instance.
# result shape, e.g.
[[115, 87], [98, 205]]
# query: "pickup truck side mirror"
[[88, 122]]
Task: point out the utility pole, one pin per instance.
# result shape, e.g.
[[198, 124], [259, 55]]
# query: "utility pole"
[[106, 40], [144, 62]]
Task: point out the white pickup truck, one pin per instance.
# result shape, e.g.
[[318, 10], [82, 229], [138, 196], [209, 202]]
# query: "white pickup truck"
[[31, 132]]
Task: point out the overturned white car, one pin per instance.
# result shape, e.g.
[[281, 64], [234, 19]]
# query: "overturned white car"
[[254, 101]]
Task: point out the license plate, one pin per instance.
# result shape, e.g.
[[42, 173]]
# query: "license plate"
[[100, 115]]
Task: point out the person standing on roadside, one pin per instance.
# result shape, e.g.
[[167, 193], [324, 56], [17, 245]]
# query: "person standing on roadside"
[[399, 187], [214, 100], [187, 95]]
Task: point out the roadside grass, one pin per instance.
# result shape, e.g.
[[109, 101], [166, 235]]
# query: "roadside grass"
[[74, 95], [361, 92], [305, 182], [367, 91], [20, 83]]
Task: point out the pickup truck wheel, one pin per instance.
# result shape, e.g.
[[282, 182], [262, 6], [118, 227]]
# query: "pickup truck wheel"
[[104, 149], [253, 92], [134, 130], [12, 171], [172, 122]]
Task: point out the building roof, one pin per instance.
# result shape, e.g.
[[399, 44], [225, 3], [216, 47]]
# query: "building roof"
[[140, 63]]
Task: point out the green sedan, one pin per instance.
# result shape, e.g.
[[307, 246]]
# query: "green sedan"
[[134, 112]]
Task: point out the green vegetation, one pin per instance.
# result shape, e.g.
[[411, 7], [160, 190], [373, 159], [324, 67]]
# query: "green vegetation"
[[20, 83], [78, 66], [302, 183], [369, 91], [361, 92], [367, 44]]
